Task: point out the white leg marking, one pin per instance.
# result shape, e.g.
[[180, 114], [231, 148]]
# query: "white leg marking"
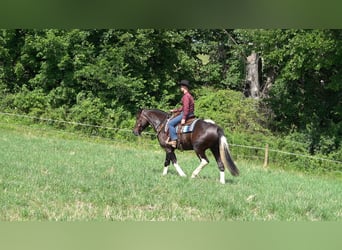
[[222, 179], [199, 168], [165, 170], [179, 170]]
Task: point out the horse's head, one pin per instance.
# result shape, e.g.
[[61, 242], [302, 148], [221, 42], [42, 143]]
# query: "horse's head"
[[141, 123]]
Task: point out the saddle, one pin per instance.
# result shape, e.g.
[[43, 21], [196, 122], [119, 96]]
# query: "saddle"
[[188, 127], [185, 128]]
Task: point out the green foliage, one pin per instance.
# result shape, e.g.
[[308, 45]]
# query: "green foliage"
[[103, 76], [88, 110], [30, 102], [229, 109], [224, 66], [305, 96]]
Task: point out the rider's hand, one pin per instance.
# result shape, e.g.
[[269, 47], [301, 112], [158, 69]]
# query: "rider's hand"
[[183, 121]]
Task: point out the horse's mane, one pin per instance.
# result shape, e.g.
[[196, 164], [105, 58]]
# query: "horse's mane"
[[153, 110], [158, 110]]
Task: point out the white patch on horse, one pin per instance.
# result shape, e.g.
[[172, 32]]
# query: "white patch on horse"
[[199, 168], [209, 121], [165, 170], [222, 179], [179, 170]]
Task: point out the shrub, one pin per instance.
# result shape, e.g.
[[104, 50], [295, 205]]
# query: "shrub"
[[230, 109], [87, 110], [29, 102]]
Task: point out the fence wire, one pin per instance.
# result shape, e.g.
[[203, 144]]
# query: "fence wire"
[[256, 155]]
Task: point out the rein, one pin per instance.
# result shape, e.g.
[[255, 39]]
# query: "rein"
[[158, 128], [161, 126]]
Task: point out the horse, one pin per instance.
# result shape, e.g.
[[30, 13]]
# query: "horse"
[[205, 135]]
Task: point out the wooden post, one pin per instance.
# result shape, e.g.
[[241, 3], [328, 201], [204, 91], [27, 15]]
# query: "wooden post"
[[266, 157]]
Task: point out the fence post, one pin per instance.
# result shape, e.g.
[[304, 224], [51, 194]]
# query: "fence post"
[[266, 157]]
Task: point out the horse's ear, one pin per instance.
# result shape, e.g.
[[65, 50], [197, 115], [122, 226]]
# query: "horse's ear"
[[140, 110]]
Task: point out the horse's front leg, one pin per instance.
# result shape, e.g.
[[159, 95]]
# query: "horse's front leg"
[[166, 163], [170, 156]]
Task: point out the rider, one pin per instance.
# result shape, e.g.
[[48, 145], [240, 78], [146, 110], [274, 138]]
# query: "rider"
[[187, 110]]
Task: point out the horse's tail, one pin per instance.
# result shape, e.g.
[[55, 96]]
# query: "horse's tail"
[[225, 154]]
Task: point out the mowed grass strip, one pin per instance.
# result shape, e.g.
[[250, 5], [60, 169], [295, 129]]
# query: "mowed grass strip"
[[49, 178]]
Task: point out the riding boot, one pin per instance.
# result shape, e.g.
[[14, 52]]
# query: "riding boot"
[[172, 143]]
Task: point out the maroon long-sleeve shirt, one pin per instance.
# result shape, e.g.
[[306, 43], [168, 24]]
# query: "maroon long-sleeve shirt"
[[188, 105]]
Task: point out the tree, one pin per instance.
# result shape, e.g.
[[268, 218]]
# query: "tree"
[[306, 68], [221, 64], [253, 68], [118, 70]]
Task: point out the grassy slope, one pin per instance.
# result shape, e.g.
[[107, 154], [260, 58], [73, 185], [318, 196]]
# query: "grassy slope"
[[48, 175]]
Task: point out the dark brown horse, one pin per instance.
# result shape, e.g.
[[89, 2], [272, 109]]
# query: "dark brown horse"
[[205, 135]]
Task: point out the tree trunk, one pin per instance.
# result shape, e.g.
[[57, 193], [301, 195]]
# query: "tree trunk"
[[252, 76]]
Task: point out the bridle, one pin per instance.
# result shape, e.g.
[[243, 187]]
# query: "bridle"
[[158, 128]]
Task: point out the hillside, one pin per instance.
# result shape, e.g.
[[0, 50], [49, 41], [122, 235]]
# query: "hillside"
[[48, 175]]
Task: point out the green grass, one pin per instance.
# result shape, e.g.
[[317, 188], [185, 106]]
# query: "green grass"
[[48, 175]]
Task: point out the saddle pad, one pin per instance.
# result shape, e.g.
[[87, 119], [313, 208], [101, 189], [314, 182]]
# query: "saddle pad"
[[188, 128]]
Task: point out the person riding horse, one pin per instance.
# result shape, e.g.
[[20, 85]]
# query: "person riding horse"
[[186, 111], [205, 135]]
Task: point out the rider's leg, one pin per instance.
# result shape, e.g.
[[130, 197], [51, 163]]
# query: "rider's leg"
[[172, 126]]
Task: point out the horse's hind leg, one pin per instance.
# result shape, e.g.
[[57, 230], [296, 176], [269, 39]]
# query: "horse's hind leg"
[[204, 161], [216, 153]]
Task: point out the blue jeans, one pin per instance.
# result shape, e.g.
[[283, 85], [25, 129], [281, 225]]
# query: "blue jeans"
[[172, 126]]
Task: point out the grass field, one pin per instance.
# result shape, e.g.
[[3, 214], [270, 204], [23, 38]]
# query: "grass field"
[[52, 176]]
